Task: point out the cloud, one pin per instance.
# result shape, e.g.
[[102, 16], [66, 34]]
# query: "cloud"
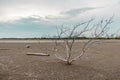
[[50, 9], [119, 2], [70, 13], [75, 12], [55, 18], [33, 18]]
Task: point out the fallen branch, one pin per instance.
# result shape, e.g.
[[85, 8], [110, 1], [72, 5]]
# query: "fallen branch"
[[37, 54], [4, 49]]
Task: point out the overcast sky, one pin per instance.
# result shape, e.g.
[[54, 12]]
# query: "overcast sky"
[[36, 18]]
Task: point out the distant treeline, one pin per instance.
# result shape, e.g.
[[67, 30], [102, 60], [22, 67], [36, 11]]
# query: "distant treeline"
[[45, 38]]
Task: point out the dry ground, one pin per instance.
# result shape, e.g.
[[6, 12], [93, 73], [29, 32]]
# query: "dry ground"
[[101, 62]]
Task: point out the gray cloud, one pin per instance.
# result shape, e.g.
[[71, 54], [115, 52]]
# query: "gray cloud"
[[75, 12], [70, 13]]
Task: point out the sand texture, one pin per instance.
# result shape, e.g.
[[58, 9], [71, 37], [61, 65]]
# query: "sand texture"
[[100, 62]]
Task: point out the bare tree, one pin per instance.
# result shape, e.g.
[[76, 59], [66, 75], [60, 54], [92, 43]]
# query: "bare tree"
[[70, 35]]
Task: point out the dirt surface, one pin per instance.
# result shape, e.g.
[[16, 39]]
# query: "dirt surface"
[[101, 62]]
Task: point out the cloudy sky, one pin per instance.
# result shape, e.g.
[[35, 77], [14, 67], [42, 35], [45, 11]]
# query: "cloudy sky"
[[36, 18]]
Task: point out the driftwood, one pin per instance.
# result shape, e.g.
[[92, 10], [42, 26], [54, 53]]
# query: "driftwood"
[[37, 54], [4, 49]]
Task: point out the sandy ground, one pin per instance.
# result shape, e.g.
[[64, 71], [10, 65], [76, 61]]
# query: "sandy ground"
[[101, 61]]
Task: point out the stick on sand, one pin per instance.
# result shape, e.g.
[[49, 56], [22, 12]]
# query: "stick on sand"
[[37, 54], [4, 49]]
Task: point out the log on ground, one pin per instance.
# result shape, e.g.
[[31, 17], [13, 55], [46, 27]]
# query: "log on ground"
[[4, 49], [37, 54]]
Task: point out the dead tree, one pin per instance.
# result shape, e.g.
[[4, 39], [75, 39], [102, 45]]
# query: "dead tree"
[[69, 37]]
